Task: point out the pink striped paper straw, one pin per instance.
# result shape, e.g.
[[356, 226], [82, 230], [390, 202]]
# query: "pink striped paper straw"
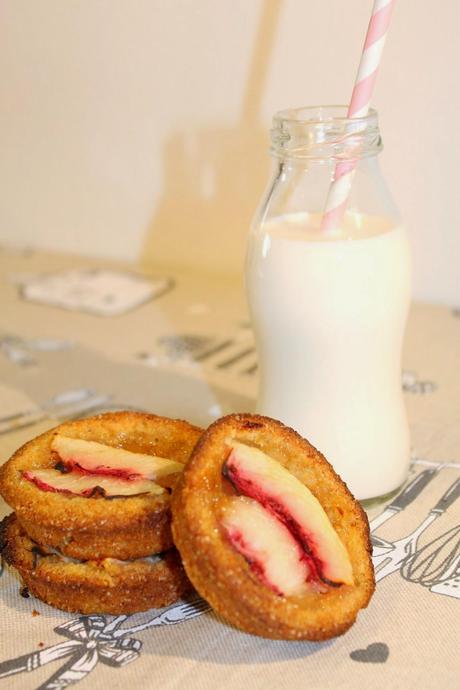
[[339, 191]]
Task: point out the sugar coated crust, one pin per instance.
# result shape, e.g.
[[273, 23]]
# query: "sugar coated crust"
[[95, 586], [223, 577], [88, 528]]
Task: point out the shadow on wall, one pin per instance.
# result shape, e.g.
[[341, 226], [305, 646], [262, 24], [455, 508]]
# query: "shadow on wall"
[[214, 178]]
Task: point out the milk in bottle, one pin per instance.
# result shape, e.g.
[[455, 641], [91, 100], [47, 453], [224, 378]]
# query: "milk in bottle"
[[329, 310]]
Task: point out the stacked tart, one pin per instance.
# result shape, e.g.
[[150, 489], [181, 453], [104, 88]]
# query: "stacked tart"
[[91, 528]]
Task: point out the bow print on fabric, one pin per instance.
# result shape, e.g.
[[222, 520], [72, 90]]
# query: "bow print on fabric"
[[94, 639]]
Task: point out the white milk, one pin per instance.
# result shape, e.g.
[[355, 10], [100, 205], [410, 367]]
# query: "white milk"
[[329, 317]]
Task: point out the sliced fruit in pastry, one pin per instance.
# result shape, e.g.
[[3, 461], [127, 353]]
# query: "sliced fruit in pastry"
[[273, 554], [217, 543], [258, 476], [88, 485], [97, 458]]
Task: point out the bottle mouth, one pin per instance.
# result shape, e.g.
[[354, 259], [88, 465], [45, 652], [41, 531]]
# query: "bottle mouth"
[[320, 114], [325, 132]]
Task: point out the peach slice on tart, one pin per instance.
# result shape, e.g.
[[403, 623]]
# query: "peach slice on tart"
[[268, 546], [91, 486], [97, 458], [269, 534]]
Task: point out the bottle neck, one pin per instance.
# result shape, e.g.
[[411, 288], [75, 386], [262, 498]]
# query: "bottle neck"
[[324, 134]]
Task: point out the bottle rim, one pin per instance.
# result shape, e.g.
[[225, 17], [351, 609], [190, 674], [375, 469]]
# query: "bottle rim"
[[324, 132], [319, 114]]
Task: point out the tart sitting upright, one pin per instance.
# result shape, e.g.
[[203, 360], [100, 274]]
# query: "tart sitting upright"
[[269, 534]]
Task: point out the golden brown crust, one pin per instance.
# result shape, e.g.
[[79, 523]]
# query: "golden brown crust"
[[105, 586], [86, 528], [222, 576]]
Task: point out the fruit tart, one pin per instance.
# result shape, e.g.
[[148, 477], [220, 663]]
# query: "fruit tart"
[[269, 534], [100, 487], [105, 585]]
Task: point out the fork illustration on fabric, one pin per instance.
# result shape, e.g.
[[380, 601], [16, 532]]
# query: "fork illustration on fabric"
[[392, 556], [399, 503], [97, 638]]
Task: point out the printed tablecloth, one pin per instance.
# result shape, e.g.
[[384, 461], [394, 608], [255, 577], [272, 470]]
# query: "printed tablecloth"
[[81, 336]]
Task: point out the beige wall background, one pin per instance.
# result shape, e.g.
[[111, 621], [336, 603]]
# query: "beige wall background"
[[138, 129]]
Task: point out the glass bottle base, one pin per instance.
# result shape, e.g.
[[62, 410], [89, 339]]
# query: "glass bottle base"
[[369, 504]]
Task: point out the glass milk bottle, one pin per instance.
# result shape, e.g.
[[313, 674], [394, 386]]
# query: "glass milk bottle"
[[329, 308]]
